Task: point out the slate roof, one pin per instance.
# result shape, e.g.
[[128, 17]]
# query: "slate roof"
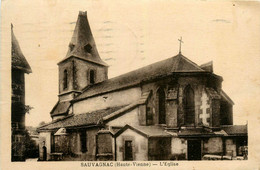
[[60, 108], [235, 130], [226, 97], [18, 59], [78, 120], [176, 64], [143, 99], [202, 132], [146, 131], [81, 37]]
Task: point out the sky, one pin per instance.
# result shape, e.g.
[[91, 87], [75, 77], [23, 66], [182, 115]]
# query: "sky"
[[132, 34]]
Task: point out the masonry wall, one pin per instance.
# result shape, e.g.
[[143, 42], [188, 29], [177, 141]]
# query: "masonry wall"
[[152, 105], [205, 109], [140, 146], [130, 118], [178, 149], [113, 99], [62, 144], [105, 146], [75, 144], [212, 146], [18, 99], [66, 66], [78, 74], [226, 113], [44, 137], [159, 148], [230, 147], [82, 69]]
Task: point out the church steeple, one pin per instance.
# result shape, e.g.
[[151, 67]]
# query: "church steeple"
[[82, 44], [82, 65]]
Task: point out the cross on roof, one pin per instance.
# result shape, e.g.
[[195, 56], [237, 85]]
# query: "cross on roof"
[[180, 44]]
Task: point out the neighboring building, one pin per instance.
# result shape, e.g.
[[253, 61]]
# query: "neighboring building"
[[170, 110], [19, 67], [34, 135]]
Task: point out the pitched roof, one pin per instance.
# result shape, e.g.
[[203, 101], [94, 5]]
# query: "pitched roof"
[[176, 64], [226, 97], [196, 132], [78, 120], [146, 131], [143, 99], [82, 36], [60, 108], [234, 130], [18, 59]]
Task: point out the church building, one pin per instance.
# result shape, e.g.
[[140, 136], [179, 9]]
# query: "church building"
[[173, 109]]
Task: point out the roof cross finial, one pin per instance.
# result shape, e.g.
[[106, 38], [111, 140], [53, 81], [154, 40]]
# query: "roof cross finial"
[[180, 44]]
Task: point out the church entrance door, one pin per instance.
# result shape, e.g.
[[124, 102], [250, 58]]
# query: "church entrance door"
[[194, 149]]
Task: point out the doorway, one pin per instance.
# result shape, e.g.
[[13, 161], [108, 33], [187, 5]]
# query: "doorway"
[[128, 150], [194, 149]]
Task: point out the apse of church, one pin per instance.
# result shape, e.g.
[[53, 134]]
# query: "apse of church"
[[183, 101]]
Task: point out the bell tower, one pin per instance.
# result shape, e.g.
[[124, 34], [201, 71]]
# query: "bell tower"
[[82, 65]]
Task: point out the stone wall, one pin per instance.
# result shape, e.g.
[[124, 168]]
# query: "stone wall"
[[159, 148], [113, 99], [78, 74], [44, 140], [105, 146], [212, 146], [62, 144], [66, 66], [130, 117], [18, 100], [178, 149], [82, 69], [230, 147]]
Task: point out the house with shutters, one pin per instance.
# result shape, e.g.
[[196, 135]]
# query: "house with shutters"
[[173, 109]]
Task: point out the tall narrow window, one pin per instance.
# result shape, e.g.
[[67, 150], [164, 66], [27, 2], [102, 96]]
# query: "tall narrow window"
[[83, 141], [161, 106], [65, 79], [189, 106], [92, 76]]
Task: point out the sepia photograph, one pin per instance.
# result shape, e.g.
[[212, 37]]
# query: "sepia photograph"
[[130, 84]]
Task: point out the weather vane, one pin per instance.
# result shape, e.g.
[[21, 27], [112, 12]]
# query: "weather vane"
[[180, 44]]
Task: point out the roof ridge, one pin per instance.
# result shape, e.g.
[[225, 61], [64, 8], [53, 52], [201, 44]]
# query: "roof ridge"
[[191, 62], [122, 75]]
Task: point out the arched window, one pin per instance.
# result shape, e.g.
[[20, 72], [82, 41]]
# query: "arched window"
[[65, 79], [161, 106], [189, 106], [92, 76]]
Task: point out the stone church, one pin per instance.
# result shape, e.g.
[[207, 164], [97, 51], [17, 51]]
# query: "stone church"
[[173, 109]]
